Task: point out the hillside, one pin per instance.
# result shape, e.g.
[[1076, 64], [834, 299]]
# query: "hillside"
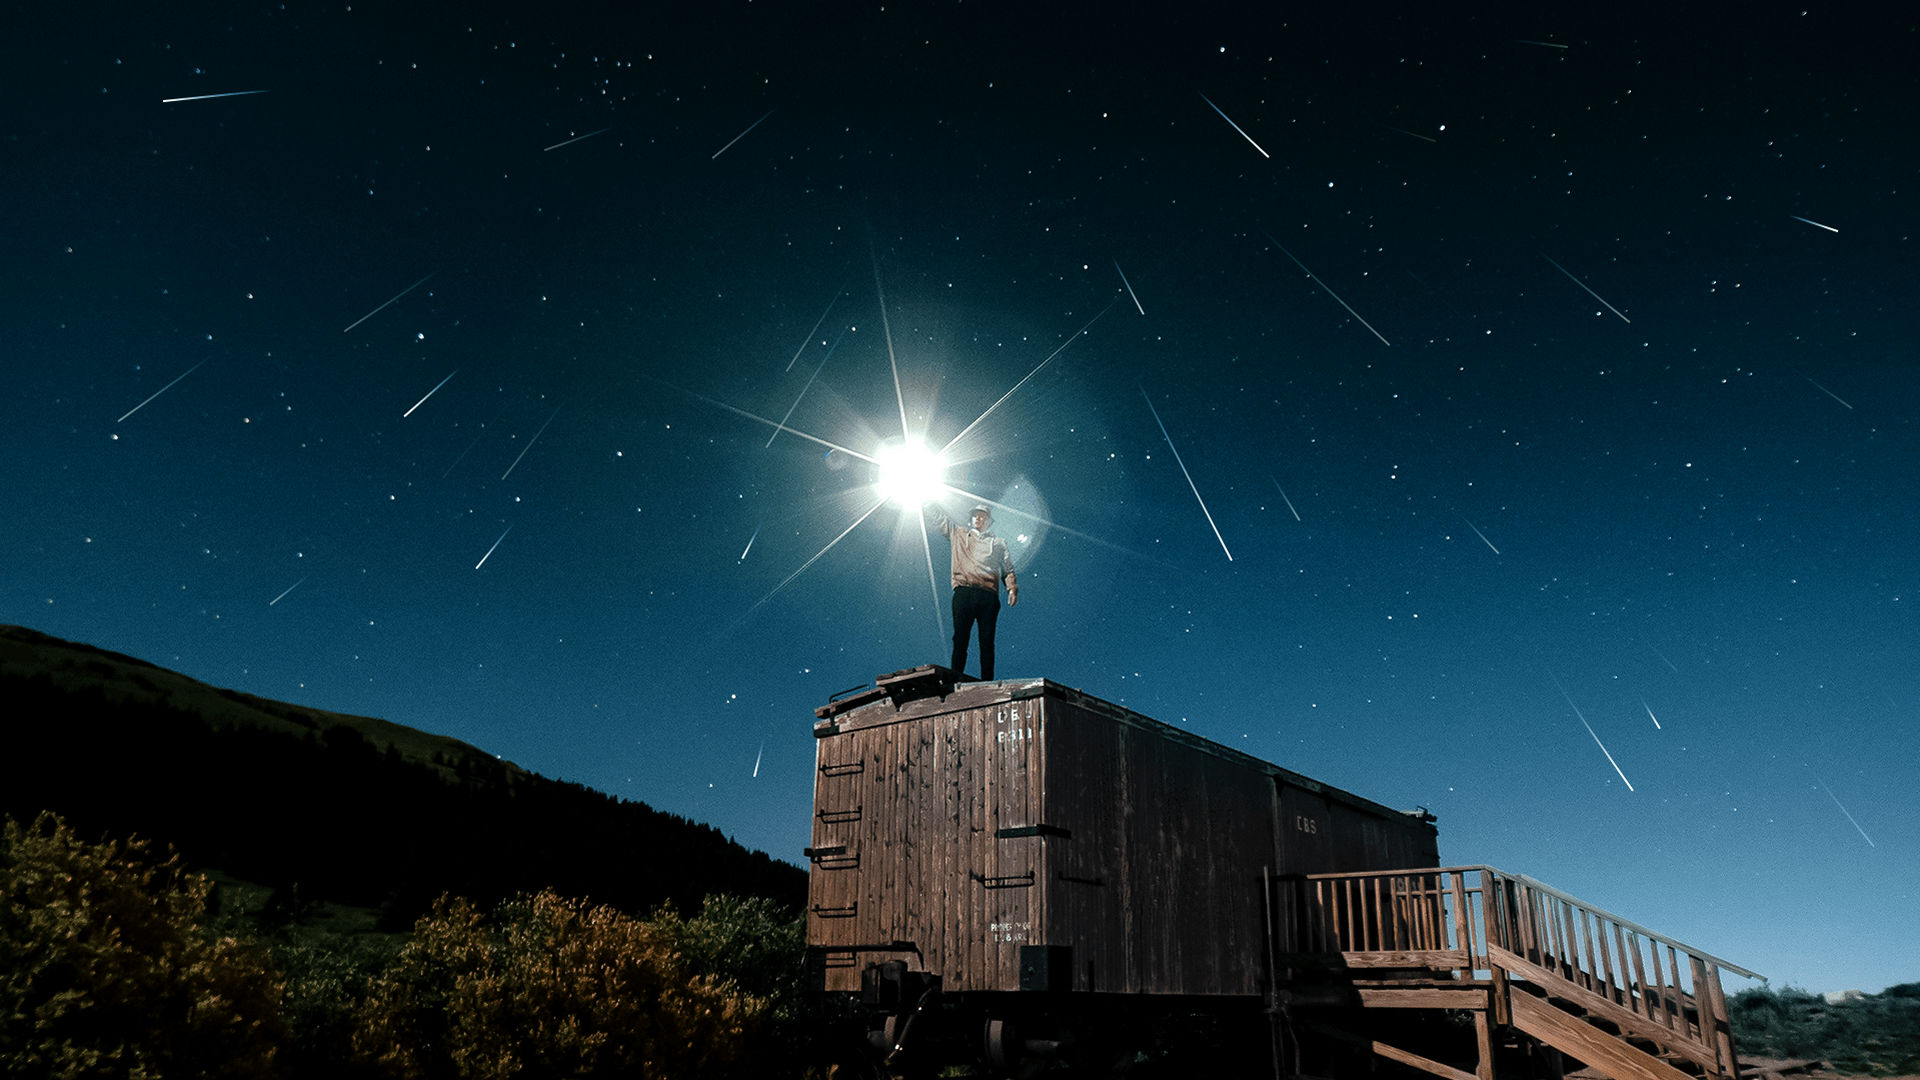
[[346, 808]]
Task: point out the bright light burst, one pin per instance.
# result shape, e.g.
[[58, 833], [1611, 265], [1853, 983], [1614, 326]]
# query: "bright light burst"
[[910, 474]]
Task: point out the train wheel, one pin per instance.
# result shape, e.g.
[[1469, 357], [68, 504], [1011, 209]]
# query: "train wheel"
[[1002, 1044]]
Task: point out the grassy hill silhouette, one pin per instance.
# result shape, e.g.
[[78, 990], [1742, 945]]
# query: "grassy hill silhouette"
[[349, 809]]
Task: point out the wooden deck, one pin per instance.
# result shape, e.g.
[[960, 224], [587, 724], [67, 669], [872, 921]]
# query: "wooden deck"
[[1523, 956]]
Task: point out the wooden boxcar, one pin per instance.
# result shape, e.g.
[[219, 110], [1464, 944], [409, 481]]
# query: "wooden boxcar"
[[1020, 841]]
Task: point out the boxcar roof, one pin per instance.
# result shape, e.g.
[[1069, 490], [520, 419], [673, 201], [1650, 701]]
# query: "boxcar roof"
[[929, 690]]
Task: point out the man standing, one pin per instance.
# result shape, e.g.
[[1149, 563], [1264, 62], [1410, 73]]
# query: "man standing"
[[981, 562]]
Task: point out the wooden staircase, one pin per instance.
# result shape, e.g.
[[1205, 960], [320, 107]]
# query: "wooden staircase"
[[1544, 976]]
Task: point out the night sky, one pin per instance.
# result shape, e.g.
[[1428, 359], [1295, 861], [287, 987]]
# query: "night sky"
[[1549, 382]]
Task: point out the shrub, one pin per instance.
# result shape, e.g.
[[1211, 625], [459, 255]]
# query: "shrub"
[[549, 987], [104, 970]]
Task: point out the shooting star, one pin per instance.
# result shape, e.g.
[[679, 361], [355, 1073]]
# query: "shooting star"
[[1843, 809], [430, 393], [489, 554], [1185, 473], [1415, 134], [750, 540], [818, 368], [1235, 126], [758, 754], [1826, 391], [1583, 285], [1283, 497], [1129, 285], [1813, 223], [383, 307], [290, 588], [1650, 716], [577, 138], [1336, 296], [740, 136], [818, 323], [530, 442], [209, 97], [1663, 657], [160, 391], [1590, 731], [463, 454], [1481, 535], [1542, 44]]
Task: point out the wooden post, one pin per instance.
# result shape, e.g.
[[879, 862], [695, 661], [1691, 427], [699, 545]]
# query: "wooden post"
[[1708, 995], [1483, 1040], [1462, 922]]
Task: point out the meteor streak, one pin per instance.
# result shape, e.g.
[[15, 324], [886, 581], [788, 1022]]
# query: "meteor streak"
[[463, 454], [1185, 473], [208, 97], [1650, 716], [1481, 535], [1336, 296], [530, 442], [489, 554], [1843, 809], [1235, 126], [789, 579], [1590, 731], [383, 307], [1542, 44], [290, 588], [1663, 658], [160, 391], [817, 324], [1415, 134], [430, 393], [1283, 498], [1813, 223], [577, 138], [750, 540], [1129, 285], [740, 136], [1826, 391], [1583, 285], [782, 425], [758, 754]]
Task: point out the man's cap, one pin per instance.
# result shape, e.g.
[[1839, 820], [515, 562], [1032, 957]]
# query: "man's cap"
[[981, 510]]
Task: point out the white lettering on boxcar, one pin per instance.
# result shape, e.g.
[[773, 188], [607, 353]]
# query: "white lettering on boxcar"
[[1008, 931], [1013, 735], [1306, 824]]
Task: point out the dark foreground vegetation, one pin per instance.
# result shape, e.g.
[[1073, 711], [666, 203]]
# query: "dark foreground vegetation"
[[115, 961], [1873, 1035]]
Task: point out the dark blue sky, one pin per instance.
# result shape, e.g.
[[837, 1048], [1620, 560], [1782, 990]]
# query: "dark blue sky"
[[1639, 457]]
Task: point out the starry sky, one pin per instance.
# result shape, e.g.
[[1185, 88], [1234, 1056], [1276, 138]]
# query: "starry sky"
[[1508, 416]]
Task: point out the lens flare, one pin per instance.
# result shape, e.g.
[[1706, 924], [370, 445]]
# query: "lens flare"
[[909, 474]]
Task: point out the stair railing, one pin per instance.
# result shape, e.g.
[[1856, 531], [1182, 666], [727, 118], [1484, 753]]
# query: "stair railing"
[[1479, 923]]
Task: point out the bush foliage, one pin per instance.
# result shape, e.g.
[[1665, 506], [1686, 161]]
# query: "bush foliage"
[[104, 970], [1878, 1034], [549, 986]]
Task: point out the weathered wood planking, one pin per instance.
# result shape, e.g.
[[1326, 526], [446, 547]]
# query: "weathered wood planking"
[[955, 824]]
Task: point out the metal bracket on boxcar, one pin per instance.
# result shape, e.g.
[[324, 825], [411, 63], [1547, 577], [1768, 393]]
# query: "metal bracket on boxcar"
[[1017, 832], [1010, 881]]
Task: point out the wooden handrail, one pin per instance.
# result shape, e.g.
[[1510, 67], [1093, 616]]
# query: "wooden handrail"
[[1480, 922]]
